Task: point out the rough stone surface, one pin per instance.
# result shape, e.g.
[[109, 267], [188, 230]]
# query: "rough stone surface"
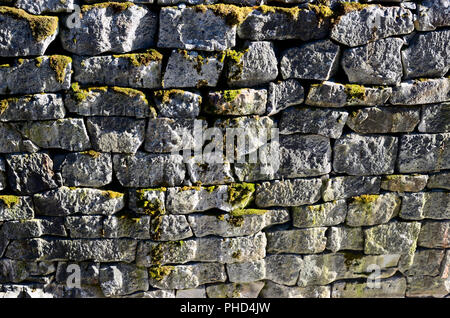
[[439, 181], [326, 214], [288, 193], [192, 69], [121, 70], [390, 288], [376, 63], [324, 122], [283, 94], [435, 118], [345, 238], [273, 290], [33, 107], [123, 279], [434, 234], [302, 241], [255, 65], [404, 183], [360, 27], [21, 208], [210, 33], [237, 102], [424, 152], [427, 91], [88, 169], [41, 6], [242, 290], [178, 103], [312, 61], [350, 186], [109, 29], [365, 155], [431, 15]]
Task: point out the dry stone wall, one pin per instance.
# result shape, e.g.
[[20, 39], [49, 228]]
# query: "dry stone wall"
[[100, 100]]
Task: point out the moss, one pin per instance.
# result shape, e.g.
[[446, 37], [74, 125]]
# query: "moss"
[[242, 212], [130, 92], [59, 63], [4, 104], [240, 193], [159, 272], [236, 221], [117, 7], [165, 95], [366, 198], [10, 200], [113, 194], [316, 208], [79, 95], [39, 61], [233, 15], [323, 12], [201, 83], [352, 259], [346, 7], [141, 59], [5, 65], [292, 12], [237, 65], [210, 189], [92, 153], [154, 208], [221, 217], [237, 254], [230, 95], [41, 27], [357, 92], [187, 188]]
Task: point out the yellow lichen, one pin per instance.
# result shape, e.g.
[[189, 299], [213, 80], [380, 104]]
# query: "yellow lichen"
[[113, 194], [59, 64], [366, 198], [130, 92], [242, 212], [92, 153], [233, 15], [355, 92], [117, 7], [240, 194], [159, 272], [10, 200], [165, 95], [141, 59], [41, 27]]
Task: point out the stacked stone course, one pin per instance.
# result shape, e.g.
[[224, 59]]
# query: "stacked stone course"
[[97, 100]]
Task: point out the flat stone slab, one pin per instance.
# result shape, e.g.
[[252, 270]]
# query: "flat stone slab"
[[33, 107], [426, 91]]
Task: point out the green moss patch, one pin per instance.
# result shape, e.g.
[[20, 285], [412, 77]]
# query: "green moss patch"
[[233, 15], [166, 95], [240, 194], [141, 59], [159, 272], [355, 92], [41, 27], [117, 7], [243, 212], [10, 200], [58, 64], [230, 95]]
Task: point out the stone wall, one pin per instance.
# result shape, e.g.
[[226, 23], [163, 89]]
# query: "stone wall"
[[98, 101]]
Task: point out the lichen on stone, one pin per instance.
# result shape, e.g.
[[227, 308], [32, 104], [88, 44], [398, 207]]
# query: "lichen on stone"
[[10, 200], [113, 194], [58, 64], [41, 27], [240, 194], [118, 7], [92, 153], [355, 92], [230, 95], [165, 95], [159, 272], [242, 212], [233, 14], [141, 59]]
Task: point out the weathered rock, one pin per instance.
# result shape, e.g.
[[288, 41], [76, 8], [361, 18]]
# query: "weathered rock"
[[427, 262], [394, 237], [211, 32], [432, 14], [150, 253], [389, 288], [108, 101], [172, 228], [116, 134], [273, 290], [178, 103], [239, 102], [277, 23], [15, 208], [41, 6], [30, 173], [156, 293], [214, 173], [283, 94], [244, 290], [3, 181], [345, 238], [199, 292], [246, 272], [426, 286], [237, 223], [330, 94], [33, 107], [283, 269], [439, 181], [68, 134], [34, 228], [326, 214], [89, 273], [303, 241], [404, 183], [371, 23], [125, 226], [147, 201], [24, 34], [111, 27], [65, 201], [255, 64], [374, 120], [434, 234], [149, 170], [312, 61], [84, 226], [123, 279], [425, 91], [425, 205], [172, 135], [417, 60], [197, 199], [11, 140], [304, 156], [288, 192], [323, 269], [193, 69], [435, 118], [76, 250], [368, 210], [140, 70], [377, 63], [350, 186], [325, 122], [365, 155], [87, 169], [49, 74], [424, 152], [186, 276]]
